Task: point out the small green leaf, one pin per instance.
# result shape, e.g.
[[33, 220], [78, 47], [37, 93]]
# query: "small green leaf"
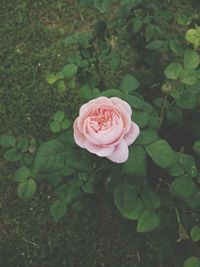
[[150, 198], [70, 70], [189, 76], [193, 37], [154, 45], [196, 147], [66, 124], [184, 164], [161, 153], [192, 262], [148, 221], [86, 92], [147, 136], [51, 78], [182, 187], [58, 209], [140, 118], [7, 140], [59, 116], [12, 155], [176, 47], [102, 5], [23, 144], [22, 173], [26, 189], [191, 59], [137, 25], [195, 233], [55, 126], [134, 101], [173, 71], [129, 83]]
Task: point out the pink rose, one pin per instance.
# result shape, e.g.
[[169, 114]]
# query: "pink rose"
[[104, 127]]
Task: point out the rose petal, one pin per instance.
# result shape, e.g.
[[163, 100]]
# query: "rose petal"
[[78, 136], [125, 117], [120, 154], [117, 100], [132, 134], [105, 137], [99, 101], [98, 150]]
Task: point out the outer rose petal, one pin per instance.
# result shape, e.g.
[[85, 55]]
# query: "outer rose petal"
[[132, 134], [78, 136], [117, 100], [120, 154], [99, 150]]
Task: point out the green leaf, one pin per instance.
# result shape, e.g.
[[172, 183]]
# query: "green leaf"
[[7, 140], [176, 47], [66, 124], [173, 71], [153, 122], [194, 89], [192, 262], [161, 153], [129, 83], [148, 221], [195, 233], [23, 144], [51, 156], [174, 115], [196, 147], [136, 164], [187, 101], [22, 173], [12, 155], [193, 36], [69, 70], [111, 93], [140, 118], [55, 126], [55, 178], [134, 101], [189, 76], [102, 5], [59, 116], [147, 136], [191, 59], [126, 200], [79, 161], [154, 45], [182, 187], [150, 198], [26, 189], [137, 25], [86, 92], [184, 164], [58, 209], [51, 78]]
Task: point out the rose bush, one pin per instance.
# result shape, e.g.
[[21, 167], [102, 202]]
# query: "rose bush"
[[104, 127]]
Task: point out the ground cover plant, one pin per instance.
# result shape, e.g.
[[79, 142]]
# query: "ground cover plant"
[[147, 205]]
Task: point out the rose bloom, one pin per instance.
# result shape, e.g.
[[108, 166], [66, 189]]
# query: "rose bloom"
[[104, 127]]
